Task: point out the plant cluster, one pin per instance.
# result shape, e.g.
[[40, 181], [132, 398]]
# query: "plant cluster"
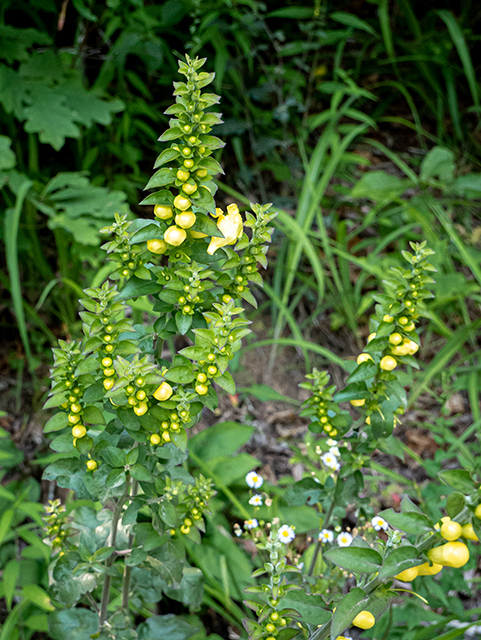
[[125, 404]]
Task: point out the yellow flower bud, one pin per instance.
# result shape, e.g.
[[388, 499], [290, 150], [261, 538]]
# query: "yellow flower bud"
[[157, 246], [163, 392], [175, 236], [163, 212]]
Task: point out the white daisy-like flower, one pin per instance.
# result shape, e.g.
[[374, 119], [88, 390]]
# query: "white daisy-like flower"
[[330, 461], [254, 480], [344, 539], [331, 443], [256, 500], [326, 535], [379, 523], [237, 530], [286, 534], [335, 451], [251, 524]]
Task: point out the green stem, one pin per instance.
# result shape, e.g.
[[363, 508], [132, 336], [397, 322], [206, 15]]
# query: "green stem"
[[218, 482], [128, 569], [324, 524], [110, 560]]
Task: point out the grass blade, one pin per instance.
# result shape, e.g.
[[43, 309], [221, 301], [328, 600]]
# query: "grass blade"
[[463, 51], [12, 221]]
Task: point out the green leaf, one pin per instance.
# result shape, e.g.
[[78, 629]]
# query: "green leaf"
[[161, 178], [167, 513], [355, 559], [297, 13], [311, 607], [181, 374], [162, 627], [347, 609], [191, 589], [139, 472], [226, 382], [183, 322], [88, 365], [34, 593], [438, 163], [135, 287], [56, 422], [9, 580], [220, 440], [349, 20], [205, 201], [379, 186], [363, 371], [7, 156], [306, 490], [354, 391], [455, 504], [398, 560], [72, 624], [409, 522], [93, 415], [459, 479]]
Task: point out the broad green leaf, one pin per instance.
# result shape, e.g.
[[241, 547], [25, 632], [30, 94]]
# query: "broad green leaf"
[[347, 609], [181, 374], [398, 560], [56, 422], [379, 186], [139, 472], [459, 479], [183, 322], [162, 627], [311, 607], [34, 593], [72, 624], [226, 382], [9, 579], [7, 156], [355, 559], [220, 440], [455, 504], [409, 522], [438, 163]]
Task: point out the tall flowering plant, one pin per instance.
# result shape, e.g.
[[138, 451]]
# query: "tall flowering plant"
[[349, 575], [126, 397]]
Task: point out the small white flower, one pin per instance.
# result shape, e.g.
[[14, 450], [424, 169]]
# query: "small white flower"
[[379, 523], [326, 536], [286, 534], [256, 500], [251, 524], [237, 531], [330, 461], [335, 451], [331, 443], [344, 539], [254, 480]]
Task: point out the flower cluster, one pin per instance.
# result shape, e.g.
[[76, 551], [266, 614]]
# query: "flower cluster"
[[326, 416], [393, 341]]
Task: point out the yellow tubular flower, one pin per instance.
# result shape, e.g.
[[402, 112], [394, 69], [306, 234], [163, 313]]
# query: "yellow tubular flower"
[[230, 225]]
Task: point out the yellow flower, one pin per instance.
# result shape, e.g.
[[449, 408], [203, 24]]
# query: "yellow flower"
[[231, 227]]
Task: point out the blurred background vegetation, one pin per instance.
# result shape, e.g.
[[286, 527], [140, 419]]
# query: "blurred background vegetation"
[[359, 120]]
